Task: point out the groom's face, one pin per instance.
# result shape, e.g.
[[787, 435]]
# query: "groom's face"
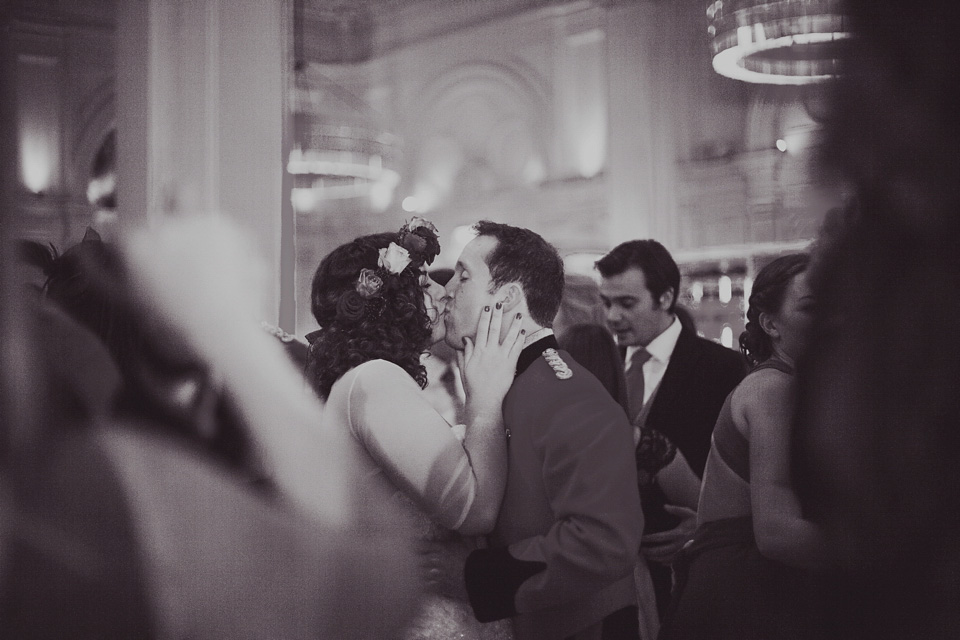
[[469, 291]]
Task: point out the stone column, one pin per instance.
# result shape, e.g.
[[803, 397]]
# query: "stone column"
[[642, 168], [201, 109]]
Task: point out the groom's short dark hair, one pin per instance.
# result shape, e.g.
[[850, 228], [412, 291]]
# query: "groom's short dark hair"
[[524, 257]]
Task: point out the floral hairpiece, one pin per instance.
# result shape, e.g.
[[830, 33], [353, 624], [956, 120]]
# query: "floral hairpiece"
[[421, 239], [417, 244]]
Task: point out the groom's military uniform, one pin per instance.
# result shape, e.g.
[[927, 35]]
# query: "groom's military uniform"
[[562, 554]]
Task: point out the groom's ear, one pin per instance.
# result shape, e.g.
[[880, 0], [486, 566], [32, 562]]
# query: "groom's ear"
[[511, 295]]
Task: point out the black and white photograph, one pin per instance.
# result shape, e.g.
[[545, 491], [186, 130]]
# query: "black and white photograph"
[[479, 320]]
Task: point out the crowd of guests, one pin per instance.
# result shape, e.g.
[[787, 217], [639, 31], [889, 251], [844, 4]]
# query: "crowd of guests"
[[728, 550], [557, 507], [462, 457], [622, 479]]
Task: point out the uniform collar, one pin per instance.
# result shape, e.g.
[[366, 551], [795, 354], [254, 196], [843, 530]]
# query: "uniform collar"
[[533, 350], [539, 334]]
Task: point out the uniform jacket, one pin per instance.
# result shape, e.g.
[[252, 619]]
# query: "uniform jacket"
[[700, 375], [562, 554]]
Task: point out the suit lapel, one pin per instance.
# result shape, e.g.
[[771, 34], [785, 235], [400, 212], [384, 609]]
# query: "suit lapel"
[[683, 362]]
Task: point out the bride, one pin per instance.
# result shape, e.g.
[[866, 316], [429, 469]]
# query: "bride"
[[379, 311]]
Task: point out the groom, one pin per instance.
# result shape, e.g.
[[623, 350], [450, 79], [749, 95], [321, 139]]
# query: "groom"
[[562, 554]]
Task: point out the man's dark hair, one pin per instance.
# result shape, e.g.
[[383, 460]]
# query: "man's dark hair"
[[651, 257], [524, 257]]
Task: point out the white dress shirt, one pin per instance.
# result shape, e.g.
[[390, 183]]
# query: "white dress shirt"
[[660, 350], [539, 334]]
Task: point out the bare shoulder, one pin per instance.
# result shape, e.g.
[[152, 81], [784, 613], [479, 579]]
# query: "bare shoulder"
[[760, 391]]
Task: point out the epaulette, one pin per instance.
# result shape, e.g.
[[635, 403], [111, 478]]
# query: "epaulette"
[[560, 368]]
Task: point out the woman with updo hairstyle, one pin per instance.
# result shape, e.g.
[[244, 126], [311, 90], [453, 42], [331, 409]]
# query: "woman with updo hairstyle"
[[395, 326], [767, 297], [749, 571], [412, 472]]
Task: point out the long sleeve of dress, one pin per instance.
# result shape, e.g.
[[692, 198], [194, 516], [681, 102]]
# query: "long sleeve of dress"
[[411, 443]]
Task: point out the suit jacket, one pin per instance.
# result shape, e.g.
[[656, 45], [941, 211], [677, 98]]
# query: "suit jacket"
[[562, 554], [700, 375]]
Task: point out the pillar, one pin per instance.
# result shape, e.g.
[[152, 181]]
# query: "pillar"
[[201, 113], [642, 168]]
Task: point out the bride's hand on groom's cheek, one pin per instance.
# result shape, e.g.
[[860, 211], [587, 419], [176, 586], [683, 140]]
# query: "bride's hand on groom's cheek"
[[489, 363]]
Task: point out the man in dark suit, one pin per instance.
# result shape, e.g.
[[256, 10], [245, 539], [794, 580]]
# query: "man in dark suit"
[[676, 381], [562, 554]]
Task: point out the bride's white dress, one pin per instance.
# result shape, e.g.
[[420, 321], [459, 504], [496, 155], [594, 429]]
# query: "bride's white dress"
[[441, 618], [411, 475]]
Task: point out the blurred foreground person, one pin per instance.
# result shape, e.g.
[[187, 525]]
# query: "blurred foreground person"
[[379, 311], [75, 359], [742, 577], [878, 441], [120, 531], [156, 379]]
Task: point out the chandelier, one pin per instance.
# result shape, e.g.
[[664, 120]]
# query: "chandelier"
[[340, 148], [790, 42], [340, 151]]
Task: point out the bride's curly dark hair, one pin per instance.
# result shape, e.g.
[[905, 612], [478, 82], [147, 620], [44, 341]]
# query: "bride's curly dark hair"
[[394, 326]]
